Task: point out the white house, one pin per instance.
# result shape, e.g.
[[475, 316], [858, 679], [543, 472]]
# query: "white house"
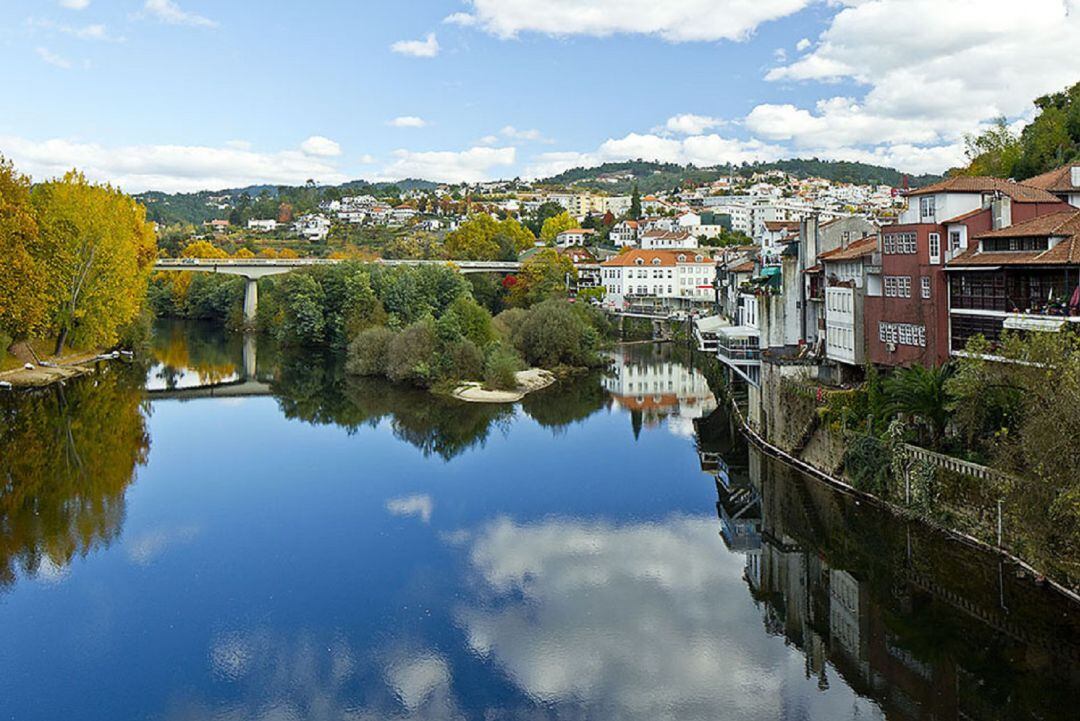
[[313, 227], [576, 236], [662, 240], [262, 226], [676, 278], [624, 233]]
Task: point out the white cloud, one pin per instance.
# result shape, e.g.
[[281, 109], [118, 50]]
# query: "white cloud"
[[703, 150], [75, 4], [169, 12], [320, 147], [172, 168], [426, 48], [366, 159], [803, 44], [690, 124], [673, 20], [96, 31], [596, 620], [489, 140], [51, 58], [407, 121], [472, 166], [927, 83], [531, 136], [420, 505]]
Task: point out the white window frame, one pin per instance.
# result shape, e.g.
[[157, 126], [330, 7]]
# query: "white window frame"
[[926, 287], [934, 241]]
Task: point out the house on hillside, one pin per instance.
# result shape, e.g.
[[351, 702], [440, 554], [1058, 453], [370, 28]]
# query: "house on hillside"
[[576, 236], [624, 233]]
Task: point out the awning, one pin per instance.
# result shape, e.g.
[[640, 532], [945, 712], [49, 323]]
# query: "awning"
[[739, 331], [1027, 322], [712, 323]]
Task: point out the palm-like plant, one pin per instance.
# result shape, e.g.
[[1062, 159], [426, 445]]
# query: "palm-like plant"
[[921, 394]]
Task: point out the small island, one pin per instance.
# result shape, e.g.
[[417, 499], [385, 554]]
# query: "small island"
[[530, 380]]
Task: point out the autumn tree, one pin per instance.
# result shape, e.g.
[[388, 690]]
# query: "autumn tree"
[[23, 296], [555, 225], [99, 250], [481, 237], [542, 276]]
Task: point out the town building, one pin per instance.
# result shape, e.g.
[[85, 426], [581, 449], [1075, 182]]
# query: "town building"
[[315, 228], [909, 322], [262, 225], [1063, 182], [672, 278], [576, 236], [624, 233], [1023, 277], [668, 240]]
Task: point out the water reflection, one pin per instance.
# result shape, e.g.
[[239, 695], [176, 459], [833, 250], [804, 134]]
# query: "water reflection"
[[67, 456], [927, 627], [338, 549], [656, 383]]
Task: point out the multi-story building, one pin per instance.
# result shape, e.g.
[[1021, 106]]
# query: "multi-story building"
[[673, 278], [843, 297], [668, 240], [576, 236], [262, 225], [909, 322], [1024, 277], [624, 233]]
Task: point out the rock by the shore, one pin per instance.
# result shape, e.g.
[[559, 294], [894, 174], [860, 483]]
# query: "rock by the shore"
[[527, 381]]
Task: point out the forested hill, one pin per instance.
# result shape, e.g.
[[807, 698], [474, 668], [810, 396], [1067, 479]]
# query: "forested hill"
[[197, 208], [651, 177]]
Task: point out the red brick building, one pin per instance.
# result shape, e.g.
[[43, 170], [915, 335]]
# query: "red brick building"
[[907, 308]]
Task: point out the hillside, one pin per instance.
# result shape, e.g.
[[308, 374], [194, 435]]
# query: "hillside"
[[651, 177]]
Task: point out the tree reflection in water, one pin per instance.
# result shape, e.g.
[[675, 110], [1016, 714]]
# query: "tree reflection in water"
[[69, 454]]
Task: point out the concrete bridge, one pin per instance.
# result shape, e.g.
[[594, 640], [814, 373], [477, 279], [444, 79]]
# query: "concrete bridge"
[[254, 268]]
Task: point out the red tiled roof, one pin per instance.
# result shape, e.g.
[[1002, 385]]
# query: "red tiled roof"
[[1067, 251], [666, 257], [860, 248], [747, 267], [774, 225], [1058, 180], [980, 184]]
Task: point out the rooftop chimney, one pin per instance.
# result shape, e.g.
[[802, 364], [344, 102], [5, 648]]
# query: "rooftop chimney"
[[1075, 176]]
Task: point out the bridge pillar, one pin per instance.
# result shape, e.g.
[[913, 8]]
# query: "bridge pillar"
[[251, 364], [251, 300]]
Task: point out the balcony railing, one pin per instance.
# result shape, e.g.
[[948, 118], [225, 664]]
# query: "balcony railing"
[[748, 354]]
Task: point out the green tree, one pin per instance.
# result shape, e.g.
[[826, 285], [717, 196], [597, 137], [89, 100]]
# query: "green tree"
[[99, 251], [481, 237], [994, 152], [922, 394], [545, 211], [635, 204], [555, 225]]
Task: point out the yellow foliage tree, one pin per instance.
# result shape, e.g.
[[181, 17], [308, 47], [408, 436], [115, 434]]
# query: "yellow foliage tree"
[[243, 253], [556, 224], [24, 299], [99, 250], [203, 249]]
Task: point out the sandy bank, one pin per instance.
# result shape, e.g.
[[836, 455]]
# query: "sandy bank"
[[527, 381]]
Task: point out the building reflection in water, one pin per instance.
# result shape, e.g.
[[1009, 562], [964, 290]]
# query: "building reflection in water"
[[655, 384], [927, 627]]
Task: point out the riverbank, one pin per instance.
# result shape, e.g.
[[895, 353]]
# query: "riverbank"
[[530, 380], [35, 372], [810, 469]]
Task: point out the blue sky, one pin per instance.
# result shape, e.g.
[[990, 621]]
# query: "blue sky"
[[188, 94]]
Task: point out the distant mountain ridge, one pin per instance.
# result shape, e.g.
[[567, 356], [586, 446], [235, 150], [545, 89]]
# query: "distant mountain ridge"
[[651, 177]]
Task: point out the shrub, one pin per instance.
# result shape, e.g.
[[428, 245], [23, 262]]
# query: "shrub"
[[508, 323], [868, 460], [554, 334], [502, 365], [462, 360], [5, 343], [410, 355], [367, 354]]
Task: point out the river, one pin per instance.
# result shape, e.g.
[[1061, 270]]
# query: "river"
[[236, 532]]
